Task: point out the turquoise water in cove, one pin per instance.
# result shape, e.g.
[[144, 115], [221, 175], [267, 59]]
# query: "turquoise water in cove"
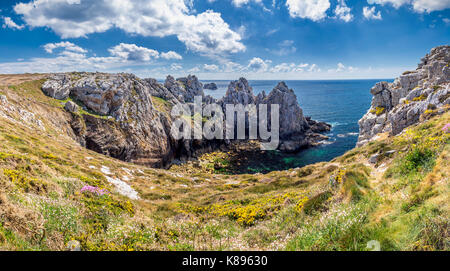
[[341, 103]]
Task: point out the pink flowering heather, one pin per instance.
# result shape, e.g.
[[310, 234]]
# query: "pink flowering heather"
[[446, 128], [94, 190]]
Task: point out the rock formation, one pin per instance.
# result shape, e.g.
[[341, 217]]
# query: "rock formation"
[[184, 89], [123, 124], [295, 130], [210, 86], [119, 117], [414, 95]]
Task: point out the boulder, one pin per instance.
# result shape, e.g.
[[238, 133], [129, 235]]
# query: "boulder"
[[374, 158], [292, 121], [318, 127], [73, 245], [3, 99]]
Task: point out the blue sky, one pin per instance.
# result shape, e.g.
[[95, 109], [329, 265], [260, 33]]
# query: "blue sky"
[[222, 39]]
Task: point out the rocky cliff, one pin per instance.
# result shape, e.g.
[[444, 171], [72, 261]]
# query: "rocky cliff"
[[414, 96], [128, 118], [296, 131], [121, 120]]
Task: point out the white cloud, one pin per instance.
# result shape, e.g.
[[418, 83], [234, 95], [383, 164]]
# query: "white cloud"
[[446, 20], [314, 68], [308, 9], [430, 5], [258, 65], [74, 58], [239, 3], [49, 47], [171, 55], [210, 68], [342, 68], [343, 12], [371, 13], [418, 5], [65, 61], [294, 68], [194, 70], [176, 67], [395, 3], [206, 33], [273, 31], [132, 52], [286, 47], [9, 23], [230, 66]]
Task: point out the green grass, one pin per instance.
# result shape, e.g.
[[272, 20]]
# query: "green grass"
[[197, 207]]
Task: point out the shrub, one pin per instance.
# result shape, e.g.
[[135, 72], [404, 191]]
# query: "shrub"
[[316, 203], [416, 160], [304, 172], [24, 182]]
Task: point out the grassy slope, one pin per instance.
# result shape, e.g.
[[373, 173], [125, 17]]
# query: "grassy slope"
[[402, 202]]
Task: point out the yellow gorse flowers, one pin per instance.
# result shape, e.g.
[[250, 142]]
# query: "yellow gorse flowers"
[[255, 210]]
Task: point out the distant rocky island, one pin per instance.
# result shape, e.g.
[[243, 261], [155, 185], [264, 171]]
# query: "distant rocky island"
[[135, 115], [210, 86]]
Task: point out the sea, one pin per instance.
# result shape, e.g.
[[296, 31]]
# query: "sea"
[[341, 103]]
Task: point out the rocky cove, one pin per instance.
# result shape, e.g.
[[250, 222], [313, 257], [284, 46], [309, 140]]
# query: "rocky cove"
[[58, 177], [125, 117]]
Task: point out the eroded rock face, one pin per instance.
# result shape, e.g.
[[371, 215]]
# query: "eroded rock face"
[[58, 87], [127, 126], [412, 96], [239, 92], [292, 121], [123, 122], [295, 131], [185, 88]]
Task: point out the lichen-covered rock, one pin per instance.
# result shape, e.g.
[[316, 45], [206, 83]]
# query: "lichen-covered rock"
[[239, 92], [58, 86], [159, 90], [400, 104], [185, 88]]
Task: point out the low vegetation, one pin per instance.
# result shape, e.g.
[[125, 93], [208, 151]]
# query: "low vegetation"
[[53, 192]]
